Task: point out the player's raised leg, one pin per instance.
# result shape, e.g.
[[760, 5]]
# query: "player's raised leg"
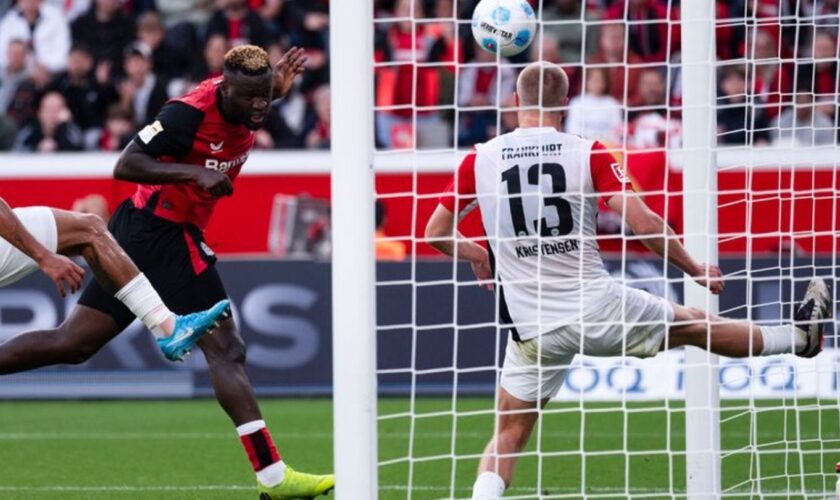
[[225, 355], [735, 338], [87, 235]]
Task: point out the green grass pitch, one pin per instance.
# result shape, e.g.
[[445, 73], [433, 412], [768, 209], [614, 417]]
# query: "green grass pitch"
[[188, 449]]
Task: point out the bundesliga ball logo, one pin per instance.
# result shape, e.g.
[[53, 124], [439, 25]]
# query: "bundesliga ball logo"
[[505, 27]]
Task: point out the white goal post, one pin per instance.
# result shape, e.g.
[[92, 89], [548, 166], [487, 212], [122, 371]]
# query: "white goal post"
[[702, 387], [353, 298]]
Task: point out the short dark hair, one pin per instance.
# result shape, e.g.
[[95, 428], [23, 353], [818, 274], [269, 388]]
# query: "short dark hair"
[[248, 60]]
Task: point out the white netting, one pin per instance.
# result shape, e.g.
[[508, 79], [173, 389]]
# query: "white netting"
[[617, 427]]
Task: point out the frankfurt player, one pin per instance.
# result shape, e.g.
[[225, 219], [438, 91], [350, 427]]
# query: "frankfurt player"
[[32, 238], [537, 190]]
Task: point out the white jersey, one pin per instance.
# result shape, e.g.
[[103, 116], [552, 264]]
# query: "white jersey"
[[538, 192]]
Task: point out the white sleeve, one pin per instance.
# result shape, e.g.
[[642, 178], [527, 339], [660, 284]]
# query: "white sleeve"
[[53, 42]]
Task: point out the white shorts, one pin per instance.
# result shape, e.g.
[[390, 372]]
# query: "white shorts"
[[14, 264], [631, 322]]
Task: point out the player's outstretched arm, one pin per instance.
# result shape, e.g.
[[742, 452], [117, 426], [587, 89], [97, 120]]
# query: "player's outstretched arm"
[[439, 233], [658, 236], [135, 165], [61, 270]]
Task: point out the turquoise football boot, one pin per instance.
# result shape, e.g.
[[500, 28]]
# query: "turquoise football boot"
[[190, 328]]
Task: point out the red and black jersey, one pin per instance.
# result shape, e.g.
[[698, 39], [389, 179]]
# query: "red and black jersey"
[[191, 130]]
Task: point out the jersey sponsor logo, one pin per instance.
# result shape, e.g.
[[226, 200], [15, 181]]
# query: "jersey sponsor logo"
[[224, 166], [619, 172], [216, 148], [554, 248], [150, 131]]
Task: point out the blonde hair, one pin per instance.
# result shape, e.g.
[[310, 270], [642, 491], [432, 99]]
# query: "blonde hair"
[[542, 84], [247, 59]]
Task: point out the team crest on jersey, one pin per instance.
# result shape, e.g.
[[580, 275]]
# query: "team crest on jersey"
[[150, 131], [619, 173]]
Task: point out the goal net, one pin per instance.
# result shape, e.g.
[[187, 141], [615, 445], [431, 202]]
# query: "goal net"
[[768, 426]]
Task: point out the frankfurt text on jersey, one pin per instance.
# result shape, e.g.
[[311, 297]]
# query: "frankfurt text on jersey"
[[531, 151]]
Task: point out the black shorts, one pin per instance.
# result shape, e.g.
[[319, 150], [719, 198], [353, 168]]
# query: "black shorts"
[[174, 258]]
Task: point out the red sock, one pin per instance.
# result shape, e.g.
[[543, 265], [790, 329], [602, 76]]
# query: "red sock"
[[259, 447]]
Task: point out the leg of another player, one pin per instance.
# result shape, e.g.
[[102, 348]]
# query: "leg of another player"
[[75, 340], [225, 355], [737, 338], [88, 236], [516, 419]]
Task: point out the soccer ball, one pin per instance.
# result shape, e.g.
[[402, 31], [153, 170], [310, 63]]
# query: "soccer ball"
[[506, 27]]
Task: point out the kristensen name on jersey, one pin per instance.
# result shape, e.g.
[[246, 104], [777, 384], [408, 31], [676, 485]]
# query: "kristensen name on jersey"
[[557, 247]]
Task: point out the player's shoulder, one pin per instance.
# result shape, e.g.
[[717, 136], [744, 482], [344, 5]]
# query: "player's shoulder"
[[203, 96]]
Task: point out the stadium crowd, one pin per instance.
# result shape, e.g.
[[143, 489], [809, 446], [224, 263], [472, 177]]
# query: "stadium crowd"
[[85, 74], [777, 63]]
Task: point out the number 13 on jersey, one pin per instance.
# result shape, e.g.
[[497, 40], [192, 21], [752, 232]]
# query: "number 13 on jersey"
[[538, 218]]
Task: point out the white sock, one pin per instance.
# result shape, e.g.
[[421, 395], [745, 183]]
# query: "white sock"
[[140, 297], [782, 339], [488, 486], [274, 473]]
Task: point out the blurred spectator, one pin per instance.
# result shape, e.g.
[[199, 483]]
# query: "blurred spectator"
[[404, 87], [386, 249], [803, 125], [319, 136], [53, 131], [106, 30], [175, 12], [87, 98], [70, 8], [212, 64], [482, 85], [238, 23], [622, 67], [141, 90], [596, 114], [288, 122], [648, 26], [738, 122], [95, 204], [551, 53], [825, 13], [824, 82], [310, 30], [25, 87], [651, 125], [119, 129], [564, 22], [42, 26], [170, 59], [13, 73]]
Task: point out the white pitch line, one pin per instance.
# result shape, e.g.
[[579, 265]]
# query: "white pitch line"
[[126, 488], [573, 434]]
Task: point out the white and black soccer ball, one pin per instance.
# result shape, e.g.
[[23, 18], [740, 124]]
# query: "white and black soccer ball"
[[505, 27]]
